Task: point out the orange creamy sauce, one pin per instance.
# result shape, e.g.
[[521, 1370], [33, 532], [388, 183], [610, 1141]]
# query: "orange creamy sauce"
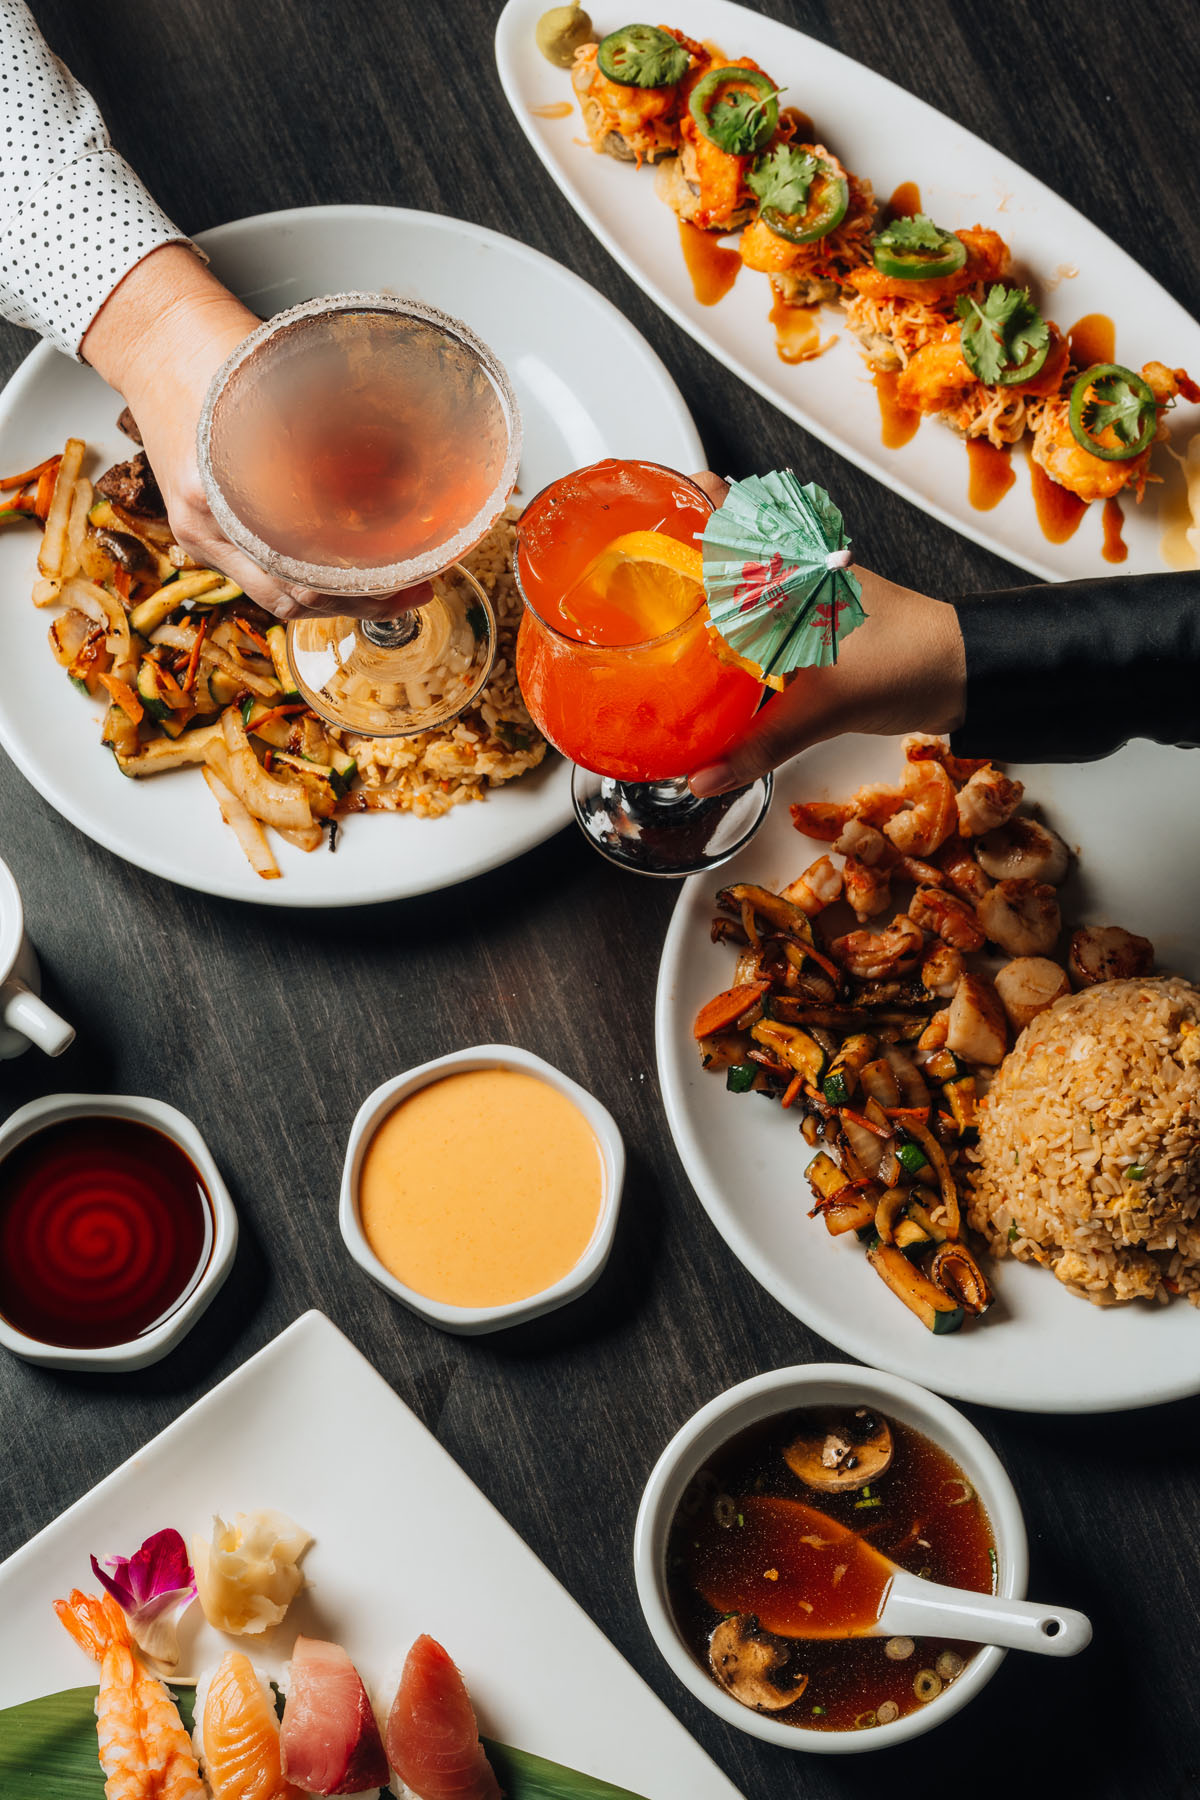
[[712, 269], [482, 1188], [991, 474]]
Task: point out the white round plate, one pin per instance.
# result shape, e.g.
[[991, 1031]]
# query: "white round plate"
[[559, 340], [888, 135], [1134, 821]]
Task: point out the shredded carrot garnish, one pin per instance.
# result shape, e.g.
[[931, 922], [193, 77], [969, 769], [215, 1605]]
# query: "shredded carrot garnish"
[[260, 643], [193, 665], [21, 481], [792, 1089], [124, 696], [858, 1118]]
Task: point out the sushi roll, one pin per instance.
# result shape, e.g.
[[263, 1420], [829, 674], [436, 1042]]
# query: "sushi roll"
[[329, 1739], [731, 117], [904, 298], [814, 224], [630, 91]]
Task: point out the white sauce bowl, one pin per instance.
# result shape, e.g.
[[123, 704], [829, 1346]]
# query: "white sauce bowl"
[[765, 1397]]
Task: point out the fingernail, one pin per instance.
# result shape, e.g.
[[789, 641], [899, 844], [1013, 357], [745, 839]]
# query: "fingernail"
[[713, 780]]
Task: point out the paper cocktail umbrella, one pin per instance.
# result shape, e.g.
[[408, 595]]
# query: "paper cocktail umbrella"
[[777, 577]]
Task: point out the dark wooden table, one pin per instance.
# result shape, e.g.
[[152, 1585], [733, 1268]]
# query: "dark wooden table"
[[268, 1027]]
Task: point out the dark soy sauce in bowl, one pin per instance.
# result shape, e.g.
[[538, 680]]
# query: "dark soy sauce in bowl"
[[105, 1229], [748, 1540]]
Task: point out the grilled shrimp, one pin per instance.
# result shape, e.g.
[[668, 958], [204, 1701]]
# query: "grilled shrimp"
[[1108, 953], [1021, 916], [1027, 986], [941, 972], [976, 1028], [871, 955], [818, 887], [930, 817], [1023, 850], [952, 919], [144, 1748], [934, 1035], [876, 803], [868, 890], [863, 842], [988, 799], [960, 869], [820, 819], [919, 746]]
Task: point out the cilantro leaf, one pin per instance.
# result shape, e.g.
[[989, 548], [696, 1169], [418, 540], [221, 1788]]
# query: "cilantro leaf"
[[917, 233], [737, 119], [1115, 401], [1003, 334], [782, 179]]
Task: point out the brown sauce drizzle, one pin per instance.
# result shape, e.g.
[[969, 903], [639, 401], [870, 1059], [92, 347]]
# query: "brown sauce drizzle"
[[797, 331], [1093, 339], [713, 270], [991, 473], [1115, 548], [1058, 510], [906, 201], [898, 423], [806, 131]]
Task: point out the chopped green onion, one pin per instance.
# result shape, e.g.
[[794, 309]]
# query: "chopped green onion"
[[859, 1504], [818, 1712], [1013, 1234], [1136, 1172]]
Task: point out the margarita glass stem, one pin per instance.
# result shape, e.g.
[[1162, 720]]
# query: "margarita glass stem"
[[392, 634]]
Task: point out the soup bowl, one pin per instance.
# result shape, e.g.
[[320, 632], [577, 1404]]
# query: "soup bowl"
[[766, 1397]]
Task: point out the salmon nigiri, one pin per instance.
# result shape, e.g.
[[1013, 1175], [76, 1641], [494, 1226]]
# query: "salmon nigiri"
[[432, 1733], [240, 1736], [329, 1739]]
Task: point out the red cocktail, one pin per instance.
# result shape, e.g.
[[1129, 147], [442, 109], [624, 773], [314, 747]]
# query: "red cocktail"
[[618, 663]]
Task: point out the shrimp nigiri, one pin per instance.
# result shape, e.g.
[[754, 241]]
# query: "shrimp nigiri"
[[432, 1733], [240, 1735], [144, 1749]]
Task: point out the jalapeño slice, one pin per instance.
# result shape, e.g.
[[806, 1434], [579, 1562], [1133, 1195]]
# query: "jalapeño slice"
[[918, 250], [642, 56], [736, 109], [802, 197], [1108, 395]]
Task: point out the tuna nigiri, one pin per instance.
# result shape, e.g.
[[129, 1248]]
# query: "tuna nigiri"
[[432, 1734], [329, 1740], [240, 1736]]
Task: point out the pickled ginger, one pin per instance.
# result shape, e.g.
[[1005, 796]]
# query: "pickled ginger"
[[248, 1574]]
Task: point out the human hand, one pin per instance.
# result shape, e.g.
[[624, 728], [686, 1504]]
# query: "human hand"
[[159, 339], [904, 669]]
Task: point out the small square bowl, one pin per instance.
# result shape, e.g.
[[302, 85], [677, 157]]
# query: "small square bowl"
[[469, 1320], [155, 1343]]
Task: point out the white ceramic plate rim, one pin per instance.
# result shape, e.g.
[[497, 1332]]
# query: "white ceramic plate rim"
[[523, 814], [521, 70], [779, 1391]]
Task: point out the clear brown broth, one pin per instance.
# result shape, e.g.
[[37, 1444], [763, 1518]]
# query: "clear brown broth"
[[922, 1522]]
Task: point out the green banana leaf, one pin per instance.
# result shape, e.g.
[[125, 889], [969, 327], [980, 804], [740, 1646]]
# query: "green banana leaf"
[[48, 1752]]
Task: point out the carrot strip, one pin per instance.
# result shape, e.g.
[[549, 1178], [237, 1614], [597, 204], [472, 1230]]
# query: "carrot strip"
[[189, 679], [908, 1112], [44, 492], [792, 1089], [727, 1008], [174, 695], [260, 643], [822, 962], [124, 696], [20, 481], [122, 580], [278, 712], [858, 1118]]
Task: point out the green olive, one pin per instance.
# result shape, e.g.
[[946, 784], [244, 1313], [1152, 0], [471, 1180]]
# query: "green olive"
[[561, 31]]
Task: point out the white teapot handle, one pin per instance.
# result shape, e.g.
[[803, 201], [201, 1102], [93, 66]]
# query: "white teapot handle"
[[26, 1013]]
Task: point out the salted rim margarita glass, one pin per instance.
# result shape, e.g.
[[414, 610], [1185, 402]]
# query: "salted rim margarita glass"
[[332, 655], [656, 825]]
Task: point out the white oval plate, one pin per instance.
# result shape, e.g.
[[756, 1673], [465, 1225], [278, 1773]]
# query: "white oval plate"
[[1040, 1348], [889, 136], [535, 314]]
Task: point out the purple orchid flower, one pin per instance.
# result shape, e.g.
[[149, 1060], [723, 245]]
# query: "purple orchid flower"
[[153, 1587]]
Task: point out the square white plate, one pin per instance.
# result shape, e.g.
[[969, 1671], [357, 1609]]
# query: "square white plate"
[[404, 1543]]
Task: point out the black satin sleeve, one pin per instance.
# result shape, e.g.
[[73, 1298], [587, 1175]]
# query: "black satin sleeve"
[[1069, 671]]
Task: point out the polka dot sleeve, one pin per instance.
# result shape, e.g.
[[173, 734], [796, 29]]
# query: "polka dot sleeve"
[[74, 218]]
